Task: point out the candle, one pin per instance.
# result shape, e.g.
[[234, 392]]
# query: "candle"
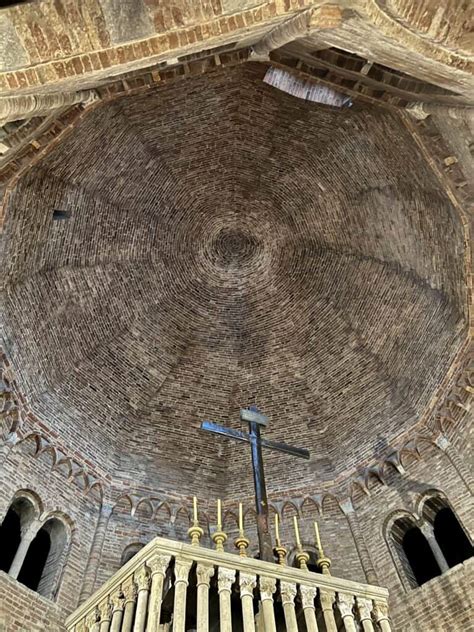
[[241, 517], [195, 509], [219, 514], [318, 539], [277, 530], [297, 531]]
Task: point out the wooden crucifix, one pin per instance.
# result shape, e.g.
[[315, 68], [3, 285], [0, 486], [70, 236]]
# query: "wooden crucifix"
[[255, 420]]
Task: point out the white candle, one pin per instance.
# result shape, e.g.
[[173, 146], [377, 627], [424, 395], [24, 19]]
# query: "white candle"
[[219, 514], [277, 530], [297, 531], [318, 539], [195, 509], [241, 517]]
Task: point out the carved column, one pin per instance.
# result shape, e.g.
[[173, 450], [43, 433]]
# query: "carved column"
[[359, 541], [327, 599], [158, 565], [345, 604], [288, 594], [247, 586], [308, 595], [142, 581], [364, 607], [26, 539], [130, 592], [117, 612], [226, 578], [95, 553], [381, 616], [267, 588], [427, 530], [204, 572], [181, 572], [105, 612]]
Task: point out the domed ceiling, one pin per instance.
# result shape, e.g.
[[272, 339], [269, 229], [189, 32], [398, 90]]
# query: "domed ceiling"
[[229, 244]]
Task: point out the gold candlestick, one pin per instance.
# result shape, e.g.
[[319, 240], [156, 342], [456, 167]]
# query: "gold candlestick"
[[241, 518], [219, 514], [323, 562], [219, 537], [302, 557], [277, 530], [195, 532], [241, 542], [297, 531], [318, 540]]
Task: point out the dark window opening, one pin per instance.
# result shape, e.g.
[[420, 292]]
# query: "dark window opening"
[[420, 556], [130, 551], [35, 560], [58, 214], [451, 537], [10, 538]]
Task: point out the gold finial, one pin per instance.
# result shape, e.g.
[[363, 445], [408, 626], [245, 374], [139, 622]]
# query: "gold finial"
[[324, 563], [241, 542], [279, 549], [301, 556], [195, 532], [219, 537]]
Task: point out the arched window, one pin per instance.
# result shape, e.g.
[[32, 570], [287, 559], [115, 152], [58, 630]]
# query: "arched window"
[[130, 551], [449, 534], [414, 552], [18, 517], [45, 558]]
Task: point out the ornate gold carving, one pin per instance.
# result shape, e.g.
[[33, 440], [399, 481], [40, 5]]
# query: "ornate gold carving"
[[302, 558], [226, 578], [324, 564], [242, 543], [267, 587], [308, 595], [195, 533], [281, 553], [204, 572], [288, 592], [247, 584]]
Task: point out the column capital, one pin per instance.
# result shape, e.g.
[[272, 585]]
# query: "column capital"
[[381, 611], [129, 589], [365, 607], [204, 572], [327, 598], [267, 588], [288, 592], [105, 609], [181, 570], [92, 618], [117, 599], [345, 603], [226, 577], [142, 578], [158, 564], [308, 595], [247, 584]]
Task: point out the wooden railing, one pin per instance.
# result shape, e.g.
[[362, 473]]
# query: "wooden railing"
[[175, 586]]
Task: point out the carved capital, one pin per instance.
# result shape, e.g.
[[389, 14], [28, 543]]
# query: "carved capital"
[[142, 578], [365, 607], [247, 584], [117, 599], [267, 588], [288, 592], [381, 611], [129, 589], [181, 570], [105, 610], [92, 619], [327, 599], [226, 577], [158, 564], [308, 595], [80, 627], [345, 603], [204, 572]]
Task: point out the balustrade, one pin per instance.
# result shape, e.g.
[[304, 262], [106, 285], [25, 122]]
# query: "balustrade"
[[152, 593]]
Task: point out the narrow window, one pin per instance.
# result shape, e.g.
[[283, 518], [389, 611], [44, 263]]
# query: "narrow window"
[[10, 538], [420, 556], [130, 551], [32, 569], [451, 537]]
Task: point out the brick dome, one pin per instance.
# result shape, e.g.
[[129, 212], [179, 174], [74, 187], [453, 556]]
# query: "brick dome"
[[229, 244]]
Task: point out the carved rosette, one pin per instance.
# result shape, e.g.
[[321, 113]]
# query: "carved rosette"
[[247, 584], [267, 588], [158, 564], [365, 607], [345, 603], [308, 595], [181, 570], [288, 593], [226, 578], [204, 572]]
